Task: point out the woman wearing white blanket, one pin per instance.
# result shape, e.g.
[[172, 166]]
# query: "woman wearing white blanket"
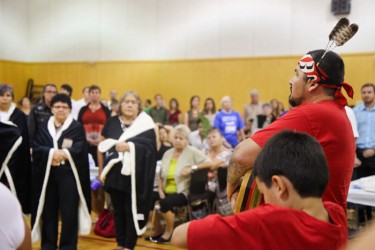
[[129, 145], [62, 181]]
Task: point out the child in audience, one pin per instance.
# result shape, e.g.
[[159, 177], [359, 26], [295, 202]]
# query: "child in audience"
[[291, 171]]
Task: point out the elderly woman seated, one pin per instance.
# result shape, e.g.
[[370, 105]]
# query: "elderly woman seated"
[[177, 165]]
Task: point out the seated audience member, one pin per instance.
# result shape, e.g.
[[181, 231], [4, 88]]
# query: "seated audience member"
[[177, 165], [196, 138], [265, 119], [159, 113], [174, 112], [165, 140], [217, 151], [292, 173], [248, 128], [14, 232], [192, 116]]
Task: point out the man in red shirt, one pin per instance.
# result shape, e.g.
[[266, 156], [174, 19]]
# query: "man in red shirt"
[[291, 171], [319, 111]]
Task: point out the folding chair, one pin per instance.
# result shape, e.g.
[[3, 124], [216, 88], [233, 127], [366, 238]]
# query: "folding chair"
[[198, 199]]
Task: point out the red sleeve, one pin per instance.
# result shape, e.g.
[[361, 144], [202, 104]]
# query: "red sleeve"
[[295, 120], [217, 232]]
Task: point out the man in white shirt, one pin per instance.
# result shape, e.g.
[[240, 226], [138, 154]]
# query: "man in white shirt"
[[76, 107]]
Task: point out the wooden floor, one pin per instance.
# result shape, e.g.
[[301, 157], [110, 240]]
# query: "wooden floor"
[[95, 242]]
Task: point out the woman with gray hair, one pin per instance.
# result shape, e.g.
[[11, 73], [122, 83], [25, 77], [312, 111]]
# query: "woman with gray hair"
[[18, 172], [127, 167], [177, 165]]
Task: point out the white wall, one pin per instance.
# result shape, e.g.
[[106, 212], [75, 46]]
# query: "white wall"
[[14, 30], [92, 30]]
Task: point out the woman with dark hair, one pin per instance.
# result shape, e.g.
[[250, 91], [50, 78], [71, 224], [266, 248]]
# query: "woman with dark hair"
[[61, 179], [25, 106], [18, 177], [174, 112], [93, 117], [128, 168], [192, 116], [209, 110]]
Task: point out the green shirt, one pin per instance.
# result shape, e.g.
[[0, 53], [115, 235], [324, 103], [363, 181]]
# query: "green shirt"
[[159, 115], [171, 187]]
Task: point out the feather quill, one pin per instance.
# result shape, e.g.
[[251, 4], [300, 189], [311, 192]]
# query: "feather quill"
[[342, 32]]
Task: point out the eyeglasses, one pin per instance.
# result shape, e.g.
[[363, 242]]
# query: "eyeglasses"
[[61, 107]]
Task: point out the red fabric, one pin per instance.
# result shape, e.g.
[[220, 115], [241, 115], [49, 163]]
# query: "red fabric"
[[173, 117], [93, 122], [328, 123], [105, 226], [270, 227]]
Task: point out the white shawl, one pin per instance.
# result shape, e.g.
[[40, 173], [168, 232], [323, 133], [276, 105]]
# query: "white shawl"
[[141, 124], [4, 166], [84, 218]]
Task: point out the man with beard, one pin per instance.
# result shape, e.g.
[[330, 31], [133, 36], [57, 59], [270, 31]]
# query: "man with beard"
[[319, 111], [365, 115]]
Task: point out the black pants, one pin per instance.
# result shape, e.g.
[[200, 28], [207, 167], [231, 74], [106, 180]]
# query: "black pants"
[[61, 195], [126, 235], [367, 168], [172, 200], [93, 150]]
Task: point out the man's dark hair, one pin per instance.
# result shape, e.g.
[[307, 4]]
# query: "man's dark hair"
[[369, 84], [299, 158], [94, 87], [49, 85], [68, 88], [332, 64], [61, 98]]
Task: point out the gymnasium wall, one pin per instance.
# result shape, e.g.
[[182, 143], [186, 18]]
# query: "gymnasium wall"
[[182, 79]]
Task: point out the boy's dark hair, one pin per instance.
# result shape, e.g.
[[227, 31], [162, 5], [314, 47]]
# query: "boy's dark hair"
[[68, 88], [94, 87], [299, 158], [61, 98]]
